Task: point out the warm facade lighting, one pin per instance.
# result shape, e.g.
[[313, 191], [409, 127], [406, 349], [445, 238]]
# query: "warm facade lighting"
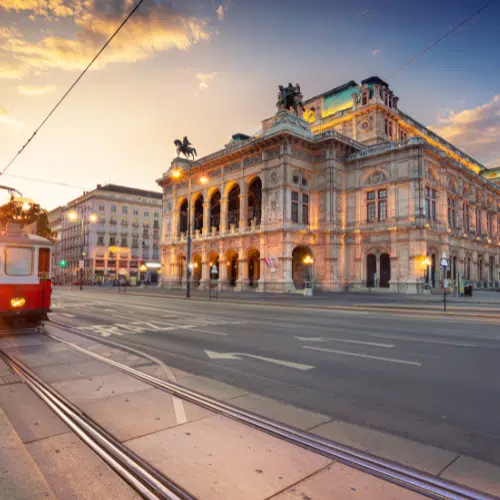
[[93, 218], [72, 216], [176, 173], [308, 259], [204, 179]]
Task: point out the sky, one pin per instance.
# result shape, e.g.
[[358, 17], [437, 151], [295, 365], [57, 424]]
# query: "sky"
[[210, 68]]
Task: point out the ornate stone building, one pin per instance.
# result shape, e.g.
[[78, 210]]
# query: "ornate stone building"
[[354, 193]]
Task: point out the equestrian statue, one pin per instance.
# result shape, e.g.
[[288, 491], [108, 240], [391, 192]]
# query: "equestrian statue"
[[184, 148], [290, 97]]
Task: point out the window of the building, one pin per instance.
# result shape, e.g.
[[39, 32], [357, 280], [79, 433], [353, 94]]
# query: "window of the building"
[[145, 233], [382, 204], [124, 210], [304, 181], [305, 209], [124, 242], [403, 135], [156, 215], [146, 213], [388, 99], [370, 207], [466, 218], [18, 261], [113, 219], [145, 223], [124, 221], [100, 240], [101, 208], [451, 212], [112, 240], [295, 206], [364, 99], [489, 222], [430, 203], [135, 242], [44, 263], [376, 206], [478, 221], [136, 212], [296, 179], [113, 208]]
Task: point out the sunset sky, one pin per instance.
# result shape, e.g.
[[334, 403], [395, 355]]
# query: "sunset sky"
[[208, 69]]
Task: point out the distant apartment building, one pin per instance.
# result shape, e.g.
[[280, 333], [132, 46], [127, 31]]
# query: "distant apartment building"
[[114, 230]]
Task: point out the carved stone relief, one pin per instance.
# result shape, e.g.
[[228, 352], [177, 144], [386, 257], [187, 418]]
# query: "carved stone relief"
[[375, 178], [273, 153], [322, 207], [321, 181], [273, 177]]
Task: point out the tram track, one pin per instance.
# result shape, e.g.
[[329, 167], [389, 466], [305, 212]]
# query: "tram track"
[[142, 477], [411, 479]]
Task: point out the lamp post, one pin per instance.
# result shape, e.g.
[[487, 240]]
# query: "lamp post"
[[426, 263], [73, 216], [309, 261], [176, 174]]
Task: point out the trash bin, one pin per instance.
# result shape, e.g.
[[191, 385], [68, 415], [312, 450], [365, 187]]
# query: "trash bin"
[[468, 290]]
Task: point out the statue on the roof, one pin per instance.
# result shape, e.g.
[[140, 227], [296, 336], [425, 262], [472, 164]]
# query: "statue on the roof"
[[290, 97], [185, 148]]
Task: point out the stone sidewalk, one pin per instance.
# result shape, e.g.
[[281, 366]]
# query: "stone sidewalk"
[[210, 455]]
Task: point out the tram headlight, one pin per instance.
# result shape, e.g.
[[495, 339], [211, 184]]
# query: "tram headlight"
[[17, 302]]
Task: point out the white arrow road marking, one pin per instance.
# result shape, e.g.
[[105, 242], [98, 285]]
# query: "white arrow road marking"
[[335, 339], [390, 360], [236, 355]]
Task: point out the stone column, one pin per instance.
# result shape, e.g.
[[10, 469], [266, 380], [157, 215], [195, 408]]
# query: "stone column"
[[206, 218], [222, 270], [223, 216], [242, 273], [243, 212], [175, 224]]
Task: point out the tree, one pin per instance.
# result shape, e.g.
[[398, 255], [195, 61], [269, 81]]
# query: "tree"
[[13, 212]]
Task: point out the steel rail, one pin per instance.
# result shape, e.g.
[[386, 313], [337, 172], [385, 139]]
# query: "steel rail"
[[420, 482], [142, 477]]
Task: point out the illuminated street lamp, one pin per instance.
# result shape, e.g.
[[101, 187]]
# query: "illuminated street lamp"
[[309, 261], [426, 262], [176, 174]]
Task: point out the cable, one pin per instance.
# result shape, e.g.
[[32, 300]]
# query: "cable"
[[46, 181], [72, 86], [429, 47]]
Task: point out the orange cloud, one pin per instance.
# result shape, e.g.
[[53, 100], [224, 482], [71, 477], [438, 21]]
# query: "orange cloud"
[[475, 130], [152, 29], [32, 90], [45, 8]]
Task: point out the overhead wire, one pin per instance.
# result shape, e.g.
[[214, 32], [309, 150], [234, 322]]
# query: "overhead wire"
[[447, 34], [72, 86], [46, 181]]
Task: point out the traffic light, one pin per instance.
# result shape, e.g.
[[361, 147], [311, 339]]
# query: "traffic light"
[[62, 263]]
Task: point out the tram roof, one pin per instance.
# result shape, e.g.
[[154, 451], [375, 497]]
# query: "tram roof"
[[15, 235]]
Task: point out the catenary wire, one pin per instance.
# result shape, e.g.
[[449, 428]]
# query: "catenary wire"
[[73, 85], [447, 34]]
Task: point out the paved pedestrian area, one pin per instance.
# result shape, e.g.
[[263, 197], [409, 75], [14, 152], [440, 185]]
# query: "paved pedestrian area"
[[210, 455]]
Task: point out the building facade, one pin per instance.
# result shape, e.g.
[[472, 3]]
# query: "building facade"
[[115, 230], [352, 194]]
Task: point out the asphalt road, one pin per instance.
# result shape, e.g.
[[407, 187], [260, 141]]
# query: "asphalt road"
[[433, 380]]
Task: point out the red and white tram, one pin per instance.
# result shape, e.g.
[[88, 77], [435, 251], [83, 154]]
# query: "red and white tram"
[[25, 285]]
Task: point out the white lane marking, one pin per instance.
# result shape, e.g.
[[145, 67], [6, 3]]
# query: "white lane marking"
[[68, 315], [236, 355], [196, 329], [110, 310], [424, 341], [336, 339], [379, 358], [180, 412]]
